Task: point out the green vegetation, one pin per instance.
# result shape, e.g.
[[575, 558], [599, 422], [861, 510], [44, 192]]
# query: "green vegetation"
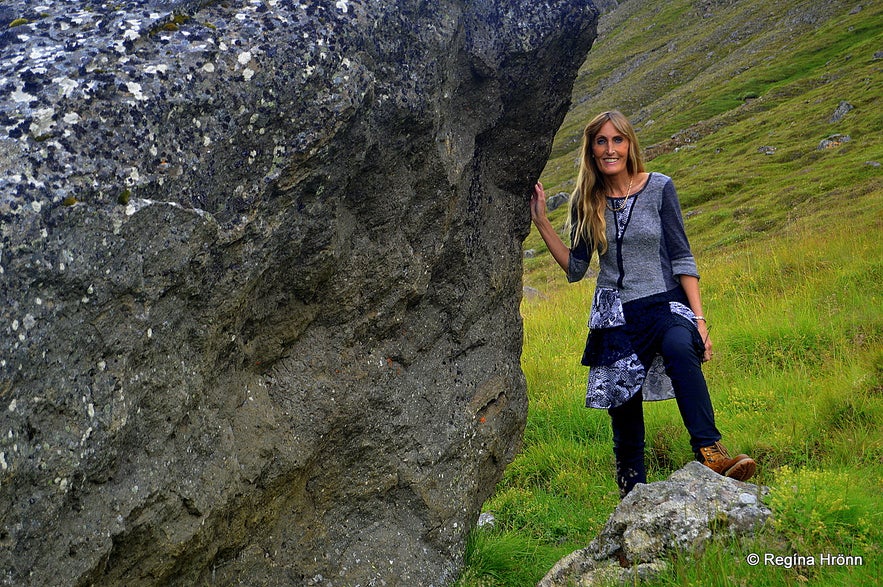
[[734, 103]]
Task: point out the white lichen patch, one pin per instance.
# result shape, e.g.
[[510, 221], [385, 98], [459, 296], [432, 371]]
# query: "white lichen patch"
[[134, 88], [42, 121], [20, 96], [38, 54], [134, 176], [136, 204], [29, 321]]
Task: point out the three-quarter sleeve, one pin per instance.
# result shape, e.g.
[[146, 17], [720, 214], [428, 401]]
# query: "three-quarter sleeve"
[[580, 255], [674, 235]]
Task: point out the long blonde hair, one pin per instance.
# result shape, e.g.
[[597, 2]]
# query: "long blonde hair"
[[587, 201]]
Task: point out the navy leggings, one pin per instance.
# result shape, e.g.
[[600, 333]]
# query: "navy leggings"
[[683, 365]]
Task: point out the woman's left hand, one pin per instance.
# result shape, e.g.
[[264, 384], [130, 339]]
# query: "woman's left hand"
[[703, 332]]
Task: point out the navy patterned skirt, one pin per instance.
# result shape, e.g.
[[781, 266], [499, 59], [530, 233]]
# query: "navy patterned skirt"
[[622, 349]]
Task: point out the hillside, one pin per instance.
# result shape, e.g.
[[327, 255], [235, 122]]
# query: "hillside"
[[733, 100]]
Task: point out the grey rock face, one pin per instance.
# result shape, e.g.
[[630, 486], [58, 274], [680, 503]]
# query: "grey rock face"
[[260, 273], [655, 520]]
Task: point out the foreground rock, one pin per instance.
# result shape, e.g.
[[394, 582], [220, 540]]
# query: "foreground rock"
[[259, 282], [657, 520]]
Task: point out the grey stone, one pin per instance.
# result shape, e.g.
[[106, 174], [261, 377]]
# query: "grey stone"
[[833, 141], [654, 521], [557, 201], [842, 110], [486, 519], [260, 269]]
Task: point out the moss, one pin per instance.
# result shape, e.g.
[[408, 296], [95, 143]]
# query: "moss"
[[19, 22], [172, 25], [124, 197]]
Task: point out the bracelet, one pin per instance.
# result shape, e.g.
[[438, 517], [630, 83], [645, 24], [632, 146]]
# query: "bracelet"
[[701, 318]]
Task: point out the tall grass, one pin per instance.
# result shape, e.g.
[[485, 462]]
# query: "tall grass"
[[790, 250], [797, 326]]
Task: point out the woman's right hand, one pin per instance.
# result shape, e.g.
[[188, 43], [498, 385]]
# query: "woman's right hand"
[[538, 203], [559, 250]]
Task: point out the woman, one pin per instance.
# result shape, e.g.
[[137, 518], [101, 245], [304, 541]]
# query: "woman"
[[647, 332]]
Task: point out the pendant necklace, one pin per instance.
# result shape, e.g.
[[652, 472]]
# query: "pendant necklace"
[[625, 200]]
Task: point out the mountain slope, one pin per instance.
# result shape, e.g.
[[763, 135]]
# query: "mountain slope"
[[733, 100]]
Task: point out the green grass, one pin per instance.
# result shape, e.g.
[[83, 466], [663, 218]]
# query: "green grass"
[[796, 381], [790, 250]]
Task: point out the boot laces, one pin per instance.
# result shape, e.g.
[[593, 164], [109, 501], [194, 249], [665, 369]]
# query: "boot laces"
[[716, 452]]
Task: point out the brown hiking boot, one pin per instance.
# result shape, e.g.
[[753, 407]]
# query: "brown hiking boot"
[[716, 458]]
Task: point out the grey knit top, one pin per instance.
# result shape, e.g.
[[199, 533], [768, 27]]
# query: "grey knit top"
[[647, 244]]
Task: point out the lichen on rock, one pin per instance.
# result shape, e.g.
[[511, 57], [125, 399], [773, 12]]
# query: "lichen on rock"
[[260, 273]]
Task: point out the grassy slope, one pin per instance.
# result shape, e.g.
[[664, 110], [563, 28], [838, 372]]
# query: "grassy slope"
[[790, 248]]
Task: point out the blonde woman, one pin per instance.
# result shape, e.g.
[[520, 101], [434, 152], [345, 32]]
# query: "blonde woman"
[[648, 335]]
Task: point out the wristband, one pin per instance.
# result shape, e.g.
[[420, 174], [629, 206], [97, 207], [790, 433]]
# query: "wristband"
[[701, 318]]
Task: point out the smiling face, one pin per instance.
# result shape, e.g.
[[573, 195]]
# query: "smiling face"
[[610, 150]]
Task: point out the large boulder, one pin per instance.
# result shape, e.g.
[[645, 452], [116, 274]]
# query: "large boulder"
[[260, 274]]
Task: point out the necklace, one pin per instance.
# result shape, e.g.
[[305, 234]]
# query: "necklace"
[[625, 200]]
